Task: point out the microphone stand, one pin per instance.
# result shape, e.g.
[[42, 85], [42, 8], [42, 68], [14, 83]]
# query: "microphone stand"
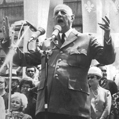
[[45, 85], [46, 55], [9, 59], [10, 82]]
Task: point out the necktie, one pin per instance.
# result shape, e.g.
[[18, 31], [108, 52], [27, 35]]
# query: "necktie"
[[63, 38]]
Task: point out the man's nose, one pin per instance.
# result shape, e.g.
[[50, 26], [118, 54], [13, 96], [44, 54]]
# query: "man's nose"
[[59, 13]]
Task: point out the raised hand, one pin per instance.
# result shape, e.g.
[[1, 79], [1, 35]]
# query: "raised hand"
[[5, 29], [105, 27]]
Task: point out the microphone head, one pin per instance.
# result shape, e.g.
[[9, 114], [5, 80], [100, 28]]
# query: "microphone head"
[[32, 27], [58, 27], [57, 30], [42, 30]]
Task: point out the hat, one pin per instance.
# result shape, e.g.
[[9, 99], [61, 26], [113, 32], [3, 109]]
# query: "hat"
[[95, 71]]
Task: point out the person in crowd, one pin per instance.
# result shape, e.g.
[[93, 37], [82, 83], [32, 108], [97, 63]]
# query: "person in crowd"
[[18, 104], [3, 92], [39, 71], [31, 72], [14, 83], [26, 86], [116, 80], [106, 83], [63, 92], [115, 106], [2, 108], [100, 97]]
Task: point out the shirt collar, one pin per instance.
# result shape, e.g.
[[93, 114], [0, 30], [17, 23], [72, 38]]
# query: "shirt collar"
[[68, 32]]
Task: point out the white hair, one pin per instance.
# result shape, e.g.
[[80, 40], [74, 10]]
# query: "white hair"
[[23, 98], [65, 7]]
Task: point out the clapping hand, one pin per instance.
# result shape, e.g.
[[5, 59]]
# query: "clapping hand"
[[105, 27]]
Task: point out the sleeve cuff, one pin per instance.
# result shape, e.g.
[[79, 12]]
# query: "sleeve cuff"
[[108, 42]]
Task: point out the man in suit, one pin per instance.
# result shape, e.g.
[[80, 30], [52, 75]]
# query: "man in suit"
[[106, 83], [63, 92]]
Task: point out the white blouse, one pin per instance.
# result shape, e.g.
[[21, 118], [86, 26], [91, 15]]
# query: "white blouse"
[[100, 103]]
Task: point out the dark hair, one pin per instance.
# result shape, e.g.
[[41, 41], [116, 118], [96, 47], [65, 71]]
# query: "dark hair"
[[26, 81]]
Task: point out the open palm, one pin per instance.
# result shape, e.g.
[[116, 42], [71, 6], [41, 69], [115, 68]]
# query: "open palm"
[[105, 27]]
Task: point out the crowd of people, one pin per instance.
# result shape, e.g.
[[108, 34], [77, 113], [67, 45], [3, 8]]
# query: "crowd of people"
[[19, 86], [69, 87]]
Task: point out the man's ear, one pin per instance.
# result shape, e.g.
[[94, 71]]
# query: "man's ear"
[[73, 17]]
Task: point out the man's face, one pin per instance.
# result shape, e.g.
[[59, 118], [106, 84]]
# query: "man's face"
[[24, 89], [2, 83], [14, 83], [104, 71], [30, 72], [63, 16]]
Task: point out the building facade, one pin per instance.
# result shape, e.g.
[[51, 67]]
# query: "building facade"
[[14, 10]]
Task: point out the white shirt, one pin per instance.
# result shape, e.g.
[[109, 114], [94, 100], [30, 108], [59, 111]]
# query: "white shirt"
[[67, 33]]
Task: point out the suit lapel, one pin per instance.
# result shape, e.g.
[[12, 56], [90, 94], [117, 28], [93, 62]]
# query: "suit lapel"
[[72, 37]]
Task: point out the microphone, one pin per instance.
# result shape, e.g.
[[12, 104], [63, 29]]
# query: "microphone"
[[33, 28], [57, 30], [39, 32], [18, 24]]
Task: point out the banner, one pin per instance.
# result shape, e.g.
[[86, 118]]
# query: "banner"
[[89, 16]]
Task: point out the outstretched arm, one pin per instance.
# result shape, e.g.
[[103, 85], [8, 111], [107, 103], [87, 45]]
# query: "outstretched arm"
[[106, 28], [104, 54]]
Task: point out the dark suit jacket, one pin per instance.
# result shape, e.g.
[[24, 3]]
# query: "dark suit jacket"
[[68, 90], [109, 85]]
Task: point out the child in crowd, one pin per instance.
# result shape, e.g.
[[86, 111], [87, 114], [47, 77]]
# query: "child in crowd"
[[18, 104]]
